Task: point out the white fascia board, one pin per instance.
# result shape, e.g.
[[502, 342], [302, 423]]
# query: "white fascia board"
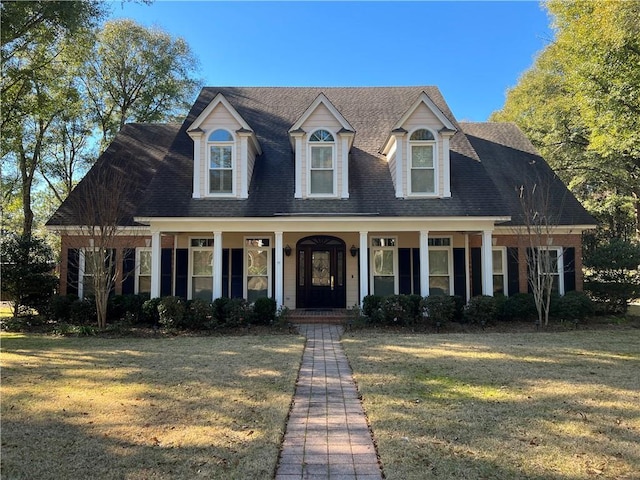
[[554, 229], [321, 98], [84, 230], [424, 98]]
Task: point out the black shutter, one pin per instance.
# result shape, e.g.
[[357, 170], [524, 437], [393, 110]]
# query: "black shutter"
[[225, 272], [182, 272], [530, 258], [459, 273], [476, 271], [165, 272], [237, 273], [416, 271], [273, 272], [404, 271], [569, 260], [73, 263], [513, 272], [369, 286], [128, 271]]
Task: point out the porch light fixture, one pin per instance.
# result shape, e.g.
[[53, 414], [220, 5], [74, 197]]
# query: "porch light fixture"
[[287, 250], [353, 250]]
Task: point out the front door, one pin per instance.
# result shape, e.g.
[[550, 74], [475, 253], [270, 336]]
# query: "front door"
[[321, 273]]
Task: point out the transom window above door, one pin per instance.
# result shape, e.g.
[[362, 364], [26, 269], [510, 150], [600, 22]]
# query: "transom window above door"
[[220, 145], [322, 163]]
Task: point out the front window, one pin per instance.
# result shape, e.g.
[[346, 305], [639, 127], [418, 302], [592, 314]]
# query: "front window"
[[258, 268], [500, 271], [384, 256], [202, 268], [423, 173], [440, 264], [221, 150], [550, 263], [143, 270], [322, 163]]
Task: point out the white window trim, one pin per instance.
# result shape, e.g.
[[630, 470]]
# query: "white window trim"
[[396, 280], [560, 266], [139, 250], [269, 249], [449, 250], [436, 168], [234, 164], [505, 269], [334, 161], [81, 267], [190, 260]]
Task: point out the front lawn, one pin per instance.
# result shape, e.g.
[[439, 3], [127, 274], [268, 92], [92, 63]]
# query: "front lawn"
[[502, 406], [162, 408]]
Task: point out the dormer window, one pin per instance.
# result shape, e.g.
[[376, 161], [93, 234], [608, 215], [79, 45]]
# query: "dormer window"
[[220, 147], [422, 151], [322, 168]]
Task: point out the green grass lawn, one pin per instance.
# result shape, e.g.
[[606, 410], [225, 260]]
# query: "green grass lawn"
[[502, 406], [161, 408]]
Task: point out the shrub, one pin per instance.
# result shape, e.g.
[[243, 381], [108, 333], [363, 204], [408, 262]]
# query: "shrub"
[[574, 306], [83, 311], [481, 310], [458, 314], [415, 307], [59, 309], [520, 306], [219, 307], [440, 308], [172, 311], [237, 312], [264, 311], [150, 312], [611, 297], [396, 310], [282, 317], [199, 314], [371, 308]]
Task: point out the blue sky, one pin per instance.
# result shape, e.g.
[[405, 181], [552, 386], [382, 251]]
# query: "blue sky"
[[473, 51]]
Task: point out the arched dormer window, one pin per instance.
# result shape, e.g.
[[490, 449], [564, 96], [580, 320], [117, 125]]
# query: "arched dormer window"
[[422, 150], [220, 147], [322, 165]]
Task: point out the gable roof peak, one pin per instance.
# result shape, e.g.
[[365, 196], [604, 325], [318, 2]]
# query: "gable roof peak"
[[425, 99], [321, 99]]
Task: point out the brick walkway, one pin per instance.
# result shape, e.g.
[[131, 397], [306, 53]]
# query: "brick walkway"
[[327, 435]]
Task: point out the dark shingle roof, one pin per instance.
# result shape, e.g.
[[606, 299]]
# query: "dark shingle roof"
[[271, 112], [512, 161]]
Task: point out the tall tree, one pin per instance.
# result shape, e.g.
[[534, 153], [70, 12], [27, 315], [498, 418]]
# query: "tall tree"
[[580, 105], [138, 74]]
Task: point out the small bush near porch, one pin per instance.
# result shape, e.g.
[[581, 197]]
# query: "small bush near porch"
[[163, 408], [525, 405]]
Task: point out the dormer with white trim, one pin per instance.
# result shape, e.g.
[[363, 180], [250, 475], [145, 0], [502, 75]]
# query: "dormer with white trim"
[[224, 151], [321, 139], [417, 151]]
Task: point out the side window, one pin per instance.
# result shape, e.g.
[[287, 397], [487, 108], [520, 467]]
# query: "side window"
[[258, 268], [201, 265], [440, 266], [384, 260], [500, 280], [143, 270], [422, 152]]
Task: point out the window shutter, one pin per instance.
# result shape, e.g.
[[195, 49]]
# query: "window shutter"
[[416, 271], [404, 271], [237, 273], [513, 272], [128, 271], [529, 259], [569, 260], [165, 272], [182, 271], [73, 264], [459, 273], [225, 272], [476, 271]]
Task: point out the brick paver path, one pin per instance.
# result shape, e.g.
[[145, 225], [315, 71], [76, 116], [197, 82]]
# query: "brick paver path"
[[327, 434]]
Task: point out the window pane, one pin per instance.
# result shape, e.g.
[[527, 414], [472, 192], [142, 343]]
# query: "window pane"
[[301, 268], [498, 284], [257, 242], [439, 286], [383, 242], [321, 136], [144, 284], [438, 262], [220, 157], [202, 262], [439, 242], [497, 261], [145, 262], [202, 242], [257, 287], [89, 262], [383, 262], [322, 181], [340, 268], [257, 262], [320, 269], [422, 156], [321, 157], [422, 134], [422, 181], [220, 136], [383, 286], [220, 181], [202, 288]]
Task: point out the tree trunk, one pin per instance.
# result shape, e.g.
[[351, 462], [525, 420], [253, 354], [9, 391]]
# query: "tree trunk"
[[27, 170]]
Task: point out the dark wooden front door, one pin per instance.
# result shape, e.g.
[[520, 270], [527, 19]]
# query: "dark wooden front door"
[[321, 272]]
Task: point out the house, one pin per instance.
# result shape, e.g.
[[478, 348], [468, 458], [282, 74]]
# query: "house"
[[320, 196]]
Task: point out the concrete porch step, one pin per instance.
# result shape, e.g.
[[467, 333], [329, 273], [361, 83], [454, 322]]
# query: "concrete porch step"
[[332, 316]]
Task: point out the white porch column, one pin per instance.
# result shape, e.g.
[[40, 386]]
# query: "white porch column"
[[279, 273], [487, 264], [156, 250], [424, 263], [364, 265], [217, 265]]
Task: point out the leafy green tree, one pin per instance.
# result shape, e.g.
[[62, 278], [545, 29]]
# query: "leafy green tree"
[[138, 74], [27, 278]]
